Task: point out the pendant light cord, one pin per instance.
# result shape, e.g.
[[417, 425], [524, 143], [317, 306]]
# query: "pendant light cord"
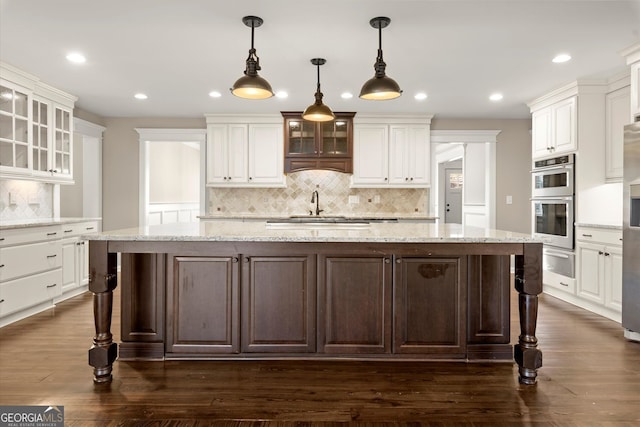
[[380, 65], [253, 61]]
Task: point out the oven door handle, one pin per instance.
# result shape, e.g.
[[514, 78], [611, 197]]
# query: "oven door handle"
[[552, 168], [556, 254], [550, 199]]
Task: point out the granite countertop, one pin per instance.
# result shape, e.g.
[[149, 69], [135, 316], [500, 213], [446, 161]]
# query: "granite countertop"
[[259, 231], [41, 222]]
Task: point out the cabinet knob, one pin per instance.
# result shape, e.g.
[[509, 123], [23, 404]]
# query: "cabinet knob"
[[234, 259], [250, 178], [600, 252], [411, 179], [1, 300], [1, 265], [387, 260], [385, 178], [607, 254], [406, 179], [398, 260]]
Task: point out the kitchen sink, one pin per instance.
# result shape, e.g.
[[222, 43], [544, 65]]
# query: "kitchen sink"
[[302, 222]]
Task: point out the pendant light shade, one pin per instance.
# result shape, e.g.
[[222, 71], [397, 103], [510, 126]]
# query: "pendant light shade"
[[318, 112], [251, 85], [380, 87]]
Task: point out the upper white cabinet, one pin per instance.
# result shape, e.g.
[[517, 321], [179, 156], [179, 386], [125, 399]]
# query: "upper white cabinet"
[[36, 129], [632, 54], [244, 151], [391, 152], [617, 116], [554, 128]]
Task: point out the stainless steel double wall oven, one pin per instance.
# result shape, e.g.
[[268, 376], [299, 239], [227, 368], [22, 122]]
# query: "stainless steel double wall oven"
[[552, 209]]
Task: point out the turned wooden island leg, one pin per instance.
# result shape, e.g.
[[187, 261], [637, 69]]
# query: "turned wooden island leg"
[[528, 283], [102, 282]]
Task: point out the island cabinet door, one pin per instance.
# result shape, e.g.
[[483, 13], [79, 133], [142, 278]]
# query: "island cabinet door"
[[430, 306], [202, 305], [354, 304], [279, 304]]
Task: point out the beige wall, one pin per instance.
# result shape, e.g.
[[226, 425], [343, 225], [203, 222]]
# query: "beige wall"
[[71, 195], [120, 166], [174, 172], [513, 163]]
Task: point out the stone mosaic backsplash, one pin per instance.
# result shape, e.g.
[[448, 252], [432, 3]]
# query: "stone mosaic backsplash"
[[25, 199], [336, 198]]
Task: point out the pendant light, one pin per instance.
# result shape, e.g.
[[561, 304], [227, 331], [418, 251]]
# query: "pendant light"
[[251, 85], [380, 87], [318, 112]]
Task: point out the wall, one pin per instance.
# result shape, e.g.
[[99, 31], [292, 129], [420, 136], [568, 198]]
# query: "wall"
[[513, 163], [334, 191], [120, 160], [71, 196], [183, 183]]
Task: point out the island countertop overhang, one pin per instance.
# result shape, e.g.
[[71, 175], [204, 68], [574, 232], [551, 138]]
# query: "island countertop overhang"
[[258, 231]]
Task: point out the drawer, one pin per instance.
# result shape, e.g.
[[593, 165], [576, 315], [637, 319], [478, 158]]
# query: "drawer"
[[79, 229], [558, 281], [29, 291], [18, 236], [599, 235], [24, 260]]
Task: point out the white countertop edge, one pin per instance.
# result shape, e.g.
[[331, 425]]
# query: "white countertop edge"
[[41, 222]]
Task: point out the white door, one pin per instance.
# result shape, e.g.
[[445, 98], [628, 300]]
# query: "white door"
[[453, 195]]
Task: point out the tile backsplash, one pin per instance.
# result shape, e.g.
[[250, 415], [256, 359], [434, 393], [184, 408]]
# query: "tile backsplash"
[[336, 198], [25, 199]]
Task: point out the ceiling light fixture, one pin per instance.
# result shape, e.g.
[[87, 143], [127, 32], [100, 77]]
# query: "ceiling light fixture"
[[251, 85], [420, 96], [318, 112], [76, 58], [282, 94], [380, 87], [346, 95], [140, 96], [215, 94], [563, 57], [496, 97]]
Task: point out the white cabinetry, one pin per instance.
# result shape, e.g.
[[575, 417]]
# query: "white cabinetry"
[[617, 116], [36, 129], [554, 128], [391, 152], [40, 266], [30, 271], [75, 257], [632, 54], [244, 153]]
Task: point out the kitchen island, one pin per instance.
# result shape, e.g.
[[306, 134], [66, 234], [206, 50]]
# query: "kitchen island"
[[252, 290]]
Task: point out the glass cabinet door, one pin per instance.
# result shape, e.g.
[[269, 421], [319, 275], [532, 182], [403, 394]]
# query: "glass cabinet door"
[[40, 134], [301, 137], [14, 128], [335, 138], [62, 141]]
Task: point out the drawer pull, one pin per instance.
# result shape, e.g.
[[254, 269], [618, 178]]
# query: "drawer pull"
[[2, 239], [90, 228], [564, 284], [52, 286], [2, 300], [52, 256], [1, 265], [587, 235], [52, 234], [68, 231]]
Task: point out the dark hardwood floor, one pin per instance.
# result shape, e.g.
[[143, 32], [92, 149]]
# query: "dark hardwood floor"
[[591, 376]]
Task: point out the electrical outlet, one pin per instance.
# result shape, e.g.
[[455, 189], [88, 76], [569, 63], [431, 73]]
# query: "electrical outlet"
[[509, 200]]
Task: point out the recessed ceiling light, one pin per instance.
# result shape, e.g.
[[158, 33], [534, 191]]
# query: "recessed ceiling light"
[[496, 97], [76, 58], [346, 95], [215, 94], [282, 94], [140, 96], [420, 96], [563, 57]]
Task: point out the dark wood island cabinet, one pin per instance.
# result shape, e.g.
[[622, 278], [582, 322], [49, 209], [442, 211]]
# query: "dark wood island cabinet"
[[393, 291]]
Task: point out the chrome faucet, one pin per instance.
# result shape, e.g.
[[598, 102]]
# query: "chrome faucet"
[[315, 198]]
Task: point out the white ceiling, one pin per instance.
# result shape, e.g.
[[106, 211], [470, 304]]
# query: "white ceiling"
[[177, 51]]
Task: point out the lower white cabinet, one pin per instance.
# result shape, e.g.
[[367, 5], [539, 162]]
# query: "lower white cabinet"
[[597, 286], [40, 266]]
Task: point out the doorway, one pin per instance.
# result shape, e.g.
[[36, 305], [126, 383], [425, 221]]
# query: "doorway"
[[453, 183], [171, 175]]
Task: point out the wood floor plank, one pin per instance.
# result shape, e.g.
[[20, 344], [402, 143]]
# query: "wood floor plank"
[[590, 376]]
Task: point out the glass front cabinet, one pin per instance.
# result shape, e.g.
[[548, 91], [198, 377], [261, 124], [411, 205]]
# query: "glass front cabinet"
[[318, 145], [36, 129]]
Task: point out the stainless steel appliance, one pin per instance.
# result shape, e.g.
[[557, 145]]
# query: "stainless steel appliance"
[[552, 212], [631, 233], [553, 177]]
